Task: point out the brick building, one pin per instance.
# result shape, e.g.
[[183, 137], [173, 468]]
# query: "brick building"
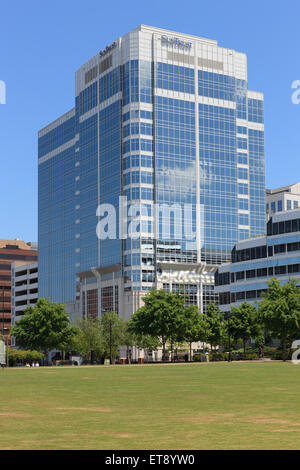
[[10, 251]]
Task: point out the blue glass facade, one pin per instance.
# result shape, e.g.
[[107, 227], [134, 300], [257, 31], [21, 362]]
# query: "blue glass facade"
[[110, 176], [175, 176], [137, 82], [56, 212], [176, 78], [216, 85], [218, 182], [87, 99], [257, 182], [255, 110], [56, 137], [86, 194]]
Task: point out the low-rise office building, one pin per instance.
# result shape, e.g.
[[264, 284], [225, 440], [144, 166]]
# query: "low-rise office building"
[[257, 260], [282, 199], [24, 287]]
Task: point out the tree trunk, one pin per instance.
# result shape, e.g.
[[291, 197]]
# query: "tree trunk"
[[164, 351], [190, 351], [244, 342], [261, 352], [129, 356], [284, 348]]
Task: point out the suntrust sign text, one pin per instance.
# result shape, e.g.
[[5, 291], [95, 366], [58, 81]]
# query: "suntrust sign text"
[[176, 42]]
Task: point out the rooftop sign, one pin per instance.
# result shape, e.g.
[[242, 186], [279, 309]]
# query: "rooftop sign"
[[176, 42], [108, 49]]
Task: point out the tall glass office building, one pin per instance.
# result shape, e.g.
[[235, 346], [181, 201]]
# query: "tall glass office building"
[[165, 131]]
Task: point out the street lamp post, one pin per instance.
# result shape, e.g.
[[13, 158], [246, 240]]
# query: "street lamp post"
[[7, 351], [227, 317], [3, 339], [110, 335], [3, 312]]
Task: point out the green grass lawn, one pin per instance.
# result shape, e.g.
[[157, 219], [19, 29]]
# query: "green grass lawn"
[[180, 406]]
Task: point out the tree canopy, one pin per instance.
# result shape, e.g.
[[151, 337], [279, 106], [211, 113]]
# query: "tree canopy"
[[160, 316], [88, 340], [244, 322], [215, 325], [164, 319], [189, 326], [44, 326], [279, 311], [112, 333]]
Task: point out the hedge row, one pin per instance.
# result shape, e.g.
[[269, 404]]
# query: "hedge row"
[[272, 353], [18, 356]]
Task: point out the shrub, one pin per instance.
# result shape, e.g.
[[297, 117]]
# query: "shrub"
[[16, 356], [237, 355], [218, 356], [251, 355], [197, 357], [277, 354]]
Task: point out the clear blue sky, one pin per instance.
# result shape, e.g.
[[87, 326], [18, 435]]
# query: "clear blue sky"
[[44, 43]]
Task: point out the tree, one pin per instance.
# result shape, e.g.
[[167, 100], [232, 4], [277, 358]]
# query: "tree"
[[189, 326], [244, 322], [215, 325], [279, 310], [204, 329], [87, 340], [145, 342], [159, 317], [112, 333], [129, 340], [260, 343], [44, 326]]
